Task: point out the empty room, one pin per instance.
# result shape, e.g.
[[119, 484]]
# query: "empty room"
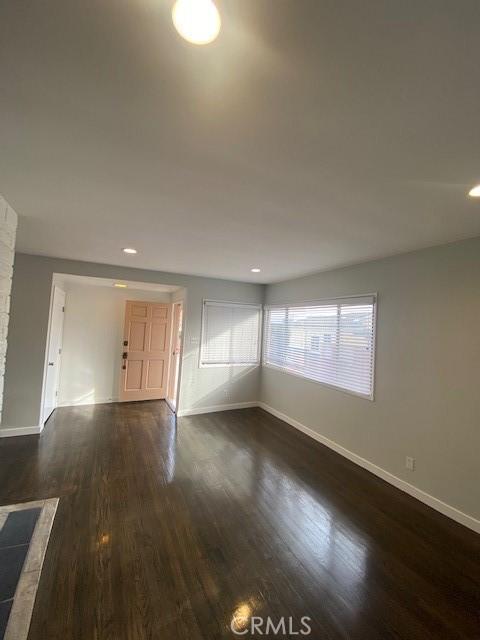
[[239, 319]]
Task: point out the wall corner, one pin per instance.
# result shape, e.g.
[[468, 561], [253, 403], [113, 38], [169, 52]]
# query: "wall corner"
[[8, 229]]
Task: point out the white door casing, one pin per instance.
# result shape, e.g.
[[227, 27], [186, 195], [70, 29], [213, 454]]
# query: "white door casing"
[[177, 327], [54, 351]]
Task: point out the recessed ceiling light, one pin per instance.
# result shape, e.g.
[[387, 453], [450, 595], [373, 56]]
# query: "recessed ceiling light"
[[198, 21], [120, 285], [475, 192], [129, 250], [255, 270]]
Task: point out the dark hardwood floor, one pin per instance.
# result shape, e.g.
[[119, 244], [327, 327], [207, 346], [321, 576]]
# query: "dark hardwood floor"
[[166, 531]]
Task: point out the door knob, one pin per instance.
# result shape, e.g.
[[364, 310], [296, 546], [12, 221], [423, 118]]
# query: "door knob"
[[50, 364]]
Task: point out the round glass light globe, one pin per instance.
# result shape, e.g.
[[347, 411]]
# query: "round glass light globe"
[[198, 21]]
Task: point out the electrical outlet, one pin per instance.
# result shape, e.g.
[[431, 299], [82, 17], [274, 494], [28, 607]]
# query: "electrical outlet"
[[410, 463]]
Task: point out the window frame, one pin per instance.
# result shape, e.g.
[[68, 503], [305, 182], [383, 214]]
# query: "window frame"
[[230, 303], [318, 302]]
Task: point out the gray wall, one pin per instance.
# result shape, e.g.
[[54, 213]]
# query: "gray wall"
[[427, 392], [32, 282]]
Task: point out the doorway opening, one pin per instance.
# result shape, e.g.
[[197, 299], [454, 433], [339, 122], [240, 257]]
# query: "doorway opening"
[[121, 342]]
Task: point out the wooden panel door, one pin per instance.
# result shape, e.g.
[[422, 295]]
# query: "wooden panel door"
[[146, 350]]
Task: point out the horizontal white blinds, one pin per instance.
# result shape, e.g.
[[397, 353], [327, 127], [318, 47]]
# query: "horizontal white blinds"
[[230, 333], [330, 342]]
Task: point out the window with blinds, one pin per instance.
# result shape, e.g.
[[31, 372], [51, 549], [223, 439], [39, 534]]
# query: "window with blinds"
[[331, 342], [230, 334]]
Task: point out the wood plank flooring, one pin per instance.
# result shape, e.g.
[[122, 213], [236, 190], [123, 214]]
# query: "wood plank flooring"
[[168, 531]]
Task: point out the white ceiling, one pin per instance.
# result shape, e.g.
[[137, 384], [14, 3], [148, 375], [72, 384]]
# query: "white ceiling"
[[311, 134]]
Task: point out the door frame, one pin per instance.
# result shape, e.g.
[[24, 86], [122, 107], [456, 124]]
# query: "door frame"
[[174, 406], [54, 287]]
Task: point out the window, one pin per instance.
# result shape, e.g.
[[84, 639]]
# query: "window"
[[230, 334], [332, 342]]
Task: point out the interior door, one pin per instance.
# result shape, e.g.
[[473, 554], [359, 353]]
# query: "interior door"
[[54, 351], [146, 350], [176, 353]]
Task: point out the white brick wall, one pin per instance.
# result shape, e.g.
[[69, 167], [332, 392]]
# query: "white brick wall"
[[8, 228]]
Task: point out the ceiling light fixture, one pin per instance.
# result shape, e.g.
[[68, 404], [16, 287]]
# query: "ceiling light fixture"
[[129, 250], [120, 285], [475, 192], [255, 270], [198, 21]]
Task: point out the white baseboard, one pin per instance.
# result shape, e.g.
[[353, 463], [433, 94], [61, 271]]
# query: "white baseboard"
[[217, 407], [170, 405], [426, 498], [10, 432]]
